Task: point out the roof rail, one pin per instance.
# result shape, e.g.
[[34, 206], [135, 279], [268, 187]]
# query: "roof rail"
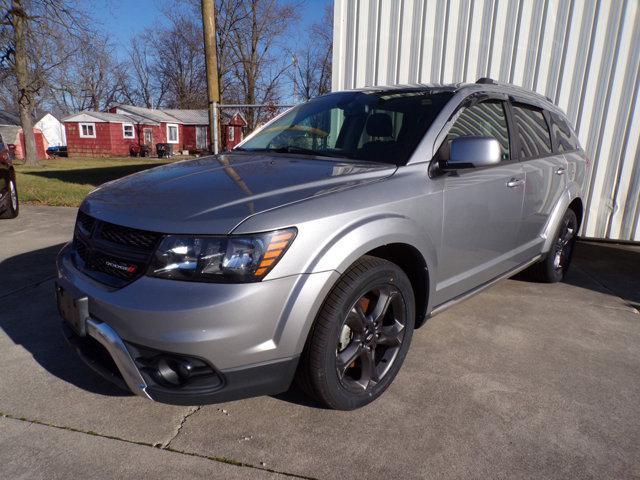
[[491, 81], [486, 81]]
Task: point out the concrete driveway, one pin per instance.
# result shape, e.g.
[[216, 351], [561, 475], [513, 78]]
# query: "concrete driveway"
[[524, 380]]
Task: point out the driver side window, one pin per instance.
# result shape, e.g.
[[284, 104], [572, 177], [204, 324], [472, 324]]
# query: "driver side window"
[[486, 119]]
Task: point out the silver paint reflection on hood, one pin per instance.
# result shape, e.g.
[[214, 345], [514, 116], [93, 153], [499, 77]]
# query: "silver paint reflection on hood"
[[214, 194]]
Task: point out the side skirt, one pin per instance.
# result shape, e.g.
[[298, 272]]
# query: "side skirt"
[[450, 303]]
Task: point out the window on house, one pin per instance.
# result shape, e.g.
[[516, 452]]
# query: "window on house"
[[127, 130], [87, 130], [232, 133], [172, 133]]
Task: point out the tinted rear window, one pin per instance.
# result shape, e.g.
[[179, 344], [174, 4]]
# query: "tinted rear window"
[[566, 140], [534, 139]]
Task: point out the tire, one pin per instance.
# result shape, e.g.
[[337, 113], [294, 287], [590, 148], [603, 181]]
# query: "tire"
[[10, 203], [554, 267], [360, 337]]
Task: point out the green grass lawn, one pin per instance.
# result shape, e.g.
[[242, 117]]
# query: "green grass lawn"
[[66, 181]]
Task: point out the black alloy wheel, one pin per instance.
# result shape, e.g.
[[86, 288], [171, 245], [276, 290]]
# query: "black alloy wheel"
[[360, 337], [370, 338], [554, 267], [563, 246]]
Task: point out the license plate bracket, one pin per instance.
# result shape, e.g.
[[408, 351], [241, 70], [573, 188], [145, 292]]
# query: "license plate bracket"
[[73, 309]]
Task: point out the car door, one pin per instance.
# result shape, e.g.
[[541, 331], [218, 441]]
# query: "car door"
[[482, 207], [544, 174]]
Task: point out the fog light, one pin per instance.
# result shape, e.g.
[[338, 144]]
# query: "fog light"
[[167, 372], [176, 371], [172, 371]]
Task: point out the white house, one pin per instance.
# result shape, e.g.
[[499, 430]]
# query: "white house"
[[52, 129]]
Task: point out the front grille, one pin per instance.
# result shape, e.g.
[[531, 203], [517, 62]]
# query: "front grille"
[[85, 223], [128, 236], [112, 254]]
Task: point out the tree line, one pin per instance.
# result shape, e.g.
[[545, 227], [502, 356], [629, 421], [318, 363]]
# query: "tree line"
[[55, 56]]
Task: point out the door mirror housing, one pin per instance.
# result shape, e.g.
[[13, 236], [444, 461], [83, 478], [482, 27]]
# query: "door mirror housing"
[[472, 152]]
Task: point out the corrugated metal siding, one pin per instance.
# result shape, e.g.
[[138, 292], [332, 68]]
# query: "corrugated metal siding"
[[583, 54]]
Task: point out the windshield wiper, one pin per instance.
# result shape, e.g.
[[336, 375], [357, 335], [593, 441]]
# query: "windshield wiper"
[[292, 149]]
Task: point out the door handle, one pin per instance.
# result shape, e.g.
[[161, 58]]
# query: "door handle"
[[515, 182], [560, 171]]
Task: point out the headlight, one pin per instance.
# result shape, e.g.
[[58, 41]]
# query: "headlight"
[[241, 258]]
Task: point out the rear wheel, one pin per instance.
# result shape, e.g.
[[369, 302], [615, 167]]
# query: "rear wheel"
[[361, 336], [555, 265], [10, 204]]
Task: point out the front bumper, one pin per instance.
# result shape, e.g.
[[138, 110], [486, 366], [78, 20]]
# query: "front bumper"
[[251, 335]]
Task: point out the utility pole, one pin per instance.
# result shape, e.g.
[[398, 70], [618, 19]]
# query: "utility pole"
[[211, 61]]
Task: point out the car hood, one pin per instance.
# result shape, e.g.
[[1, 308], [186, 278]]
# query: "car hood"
[[214, 194]]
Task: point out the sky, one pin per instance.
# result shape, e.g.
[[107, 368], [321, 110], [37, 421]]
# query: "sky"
[[124, 18]]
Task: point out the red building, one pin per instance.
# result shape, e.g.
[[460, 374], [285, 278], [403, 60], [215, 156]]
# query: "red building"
[[101, 134], [125, 128], [232, 125]]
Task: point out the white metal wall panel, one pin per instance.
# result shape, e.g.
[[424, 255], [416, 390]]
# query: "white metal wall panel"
[[583, 54]]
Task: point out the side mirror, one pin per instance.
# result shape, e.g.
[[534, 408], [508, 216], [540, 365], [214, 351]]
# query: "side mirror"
[[473, 152]]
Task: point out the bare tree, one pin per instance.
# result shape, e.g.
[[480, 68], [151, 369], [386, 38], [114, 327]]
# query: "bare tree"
[[30, 22], [257, 67], [322, 32], [143, 87], [229, 15], [175, 53], [90, 78], [311, 72]]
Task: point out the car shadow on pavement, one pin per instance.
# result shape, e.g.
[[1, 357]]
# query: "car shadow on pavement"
[[29, 318], [607, 268]]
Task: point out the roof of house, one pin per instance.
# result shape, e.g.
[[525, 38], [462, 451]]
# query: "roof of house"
[[152, 114], [40, 114], [7, 118], [9, 133], [189, 117], [91, 116], [227, 115]]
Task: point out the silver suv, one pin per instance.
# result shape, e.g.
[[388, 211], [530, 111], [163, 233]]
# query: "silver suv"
[[314, 249]]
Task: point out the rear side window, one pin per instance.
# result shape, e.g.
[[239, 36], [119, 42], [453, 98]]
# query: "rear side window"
[[486, 119], [566, 140], [534, 139]]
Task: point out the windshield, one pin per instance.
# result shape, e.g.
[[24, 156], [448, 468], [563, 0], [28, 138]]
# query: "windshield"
[[371, 126]]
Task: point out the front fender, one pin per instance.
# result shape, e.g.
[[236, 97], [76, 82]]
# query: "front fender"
[[359, 237], [338, 252]]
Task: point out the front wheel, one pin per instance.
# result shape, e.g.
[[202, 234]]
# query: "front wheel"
[[361, 336], [10, 204], [555, 265]]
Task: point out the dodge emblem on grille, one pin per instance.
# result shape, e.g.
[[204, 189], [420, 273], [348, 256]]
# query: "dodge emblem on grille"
[[120, 266]]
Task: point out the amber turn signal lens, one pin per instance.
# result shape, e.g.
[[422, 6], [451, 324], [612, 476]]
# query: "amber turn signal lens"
[[278, 244]]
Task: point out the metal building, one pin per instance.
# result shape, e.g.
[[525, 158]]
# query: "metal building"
[[583, 54]]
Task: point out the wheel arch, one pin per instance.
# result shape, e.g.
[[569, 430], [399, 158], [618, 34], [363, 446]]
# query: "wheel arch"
[[570, 199], [413, 264], [578, 208], [392, 237]]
